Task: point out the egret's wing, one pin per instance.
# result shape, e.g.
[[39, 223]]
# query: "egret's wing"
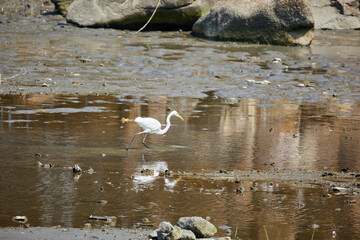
[[148, 124]]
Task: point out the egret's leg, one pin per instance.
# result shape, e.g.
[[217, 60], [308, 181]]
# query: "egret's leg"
[[143, 141], [132, 140]]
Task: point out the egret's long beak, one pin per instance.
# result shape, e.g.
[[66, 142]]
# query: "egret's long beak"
[[180, 117]]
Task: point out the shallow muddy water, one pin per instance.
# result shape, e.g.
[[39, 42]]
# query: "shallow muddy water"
[[216, 135], [65, 89]]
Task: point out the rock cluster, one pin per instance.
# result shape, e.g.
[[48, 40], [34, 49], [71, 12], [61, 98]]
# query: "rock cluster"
[[281, 22], [187, 228]]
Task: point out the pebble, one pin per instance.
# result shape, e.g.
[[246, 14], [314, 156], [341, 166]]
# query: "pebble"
[[48, 165], [351, 201], [87, 226], [277, 61], [21, 219], [240, 190], [168, 172], [102, 202], [76, 168]]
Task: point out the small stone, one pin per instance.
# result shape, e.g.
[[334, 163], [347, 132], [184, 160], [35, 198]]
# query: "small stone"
[[76, 169], [228, 231], [39, 164], [277, 61], [37, 155], [351, 201], [45, 85], [168, 172], [340, 189], [20, 219], [147, 172], [240, 190], [87, 226], [48, 165], [102, 202], [108, 219]]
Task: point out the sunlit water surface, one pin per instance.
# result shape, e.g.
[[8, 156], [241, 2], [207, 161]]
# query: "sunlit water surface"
[[237, 134]]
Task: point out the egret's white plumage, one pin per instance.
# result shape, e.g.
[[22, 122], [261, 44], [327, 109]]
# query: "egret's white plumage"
[[151, 125]]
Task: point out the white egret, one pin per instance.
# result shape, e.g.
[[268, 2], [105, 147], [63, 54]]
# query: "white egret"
[[151, 125]]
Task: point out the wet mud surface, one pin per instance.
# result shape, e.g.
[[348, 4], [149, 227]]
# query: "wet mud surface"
[[265, 141], [47, 55]]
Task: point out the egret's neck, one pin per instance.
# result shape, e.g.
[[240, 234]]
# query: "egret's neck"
[[168, 124]]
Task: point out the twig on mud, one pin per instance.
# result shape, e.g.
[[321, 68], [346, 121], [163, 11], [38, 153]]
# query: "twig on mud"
[[22, 72], [152, 15]]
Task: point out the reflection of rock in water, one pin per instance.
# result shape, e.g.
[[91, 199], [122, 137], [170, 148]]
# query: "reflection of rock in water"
[[170, 183], [147, 173]]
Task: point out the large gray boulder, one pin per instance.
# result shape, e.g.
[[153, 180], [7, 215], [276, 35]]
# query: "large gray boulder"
[[198, 225], [336, 14], [283, 22], [133, 14]]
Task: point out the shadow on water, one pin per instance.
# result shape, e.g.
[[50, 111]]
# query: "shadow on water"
[[228, 134]]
